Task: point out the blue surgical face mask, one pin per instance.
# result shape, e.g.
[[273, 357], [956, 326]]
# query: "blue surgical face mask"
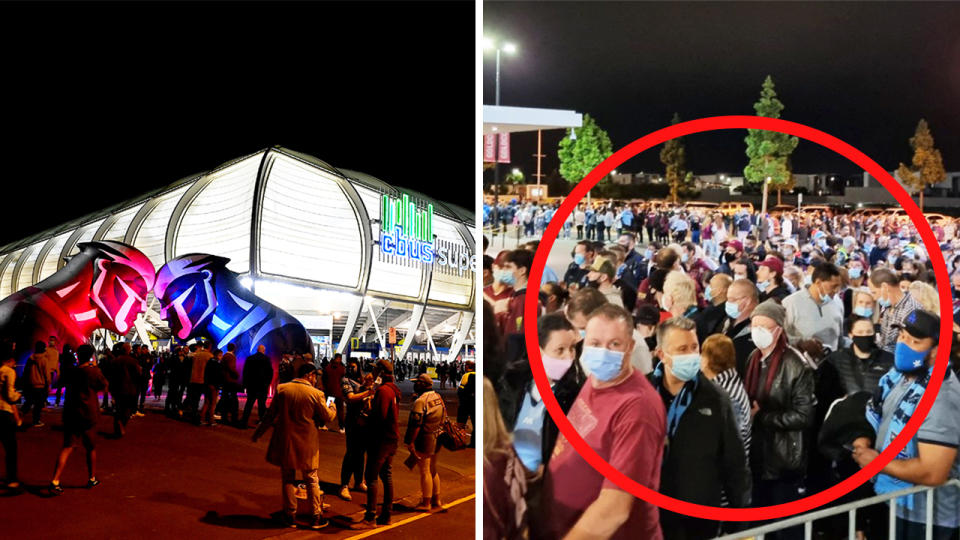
[[892, 259], [507, 278], [583, 334], [763, 285], [602, 363], [808, 279], [855, 272], [579, 259], [708, 294], [648, 254], [906, 359], [685, 366], [733, 311], [685, 257], [863, 311]]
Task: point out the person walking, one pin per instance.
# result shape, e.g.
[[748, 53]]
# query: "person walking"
[[146, 361], [296, 414], [195, 387], [9, 416], [123, 377], [81, 412], [212, 381], [230, 405], [384, 433], [423, 427], [257, 376], [358, 392], [67, 360], [38, 381]]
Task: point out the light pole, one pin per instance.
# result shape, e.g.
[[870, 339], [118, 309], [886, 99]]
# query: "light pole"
[[509, 48]]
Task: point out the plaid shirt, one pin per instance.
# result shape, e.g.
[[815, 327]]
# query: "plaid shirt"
[[891, 319]]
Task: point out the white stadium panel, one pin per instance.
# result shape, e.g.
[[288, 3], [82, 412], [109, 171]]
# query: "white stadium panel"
[[118, 230], [48, 266], [6, 280], [86, 235], [151, 237], [307, 304], [217, 221], [389, 274], [309, 230], [29, 258]]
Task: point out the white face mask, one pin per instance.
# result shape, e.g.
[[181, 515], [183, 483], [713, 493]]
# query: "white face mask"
[[762, 337]]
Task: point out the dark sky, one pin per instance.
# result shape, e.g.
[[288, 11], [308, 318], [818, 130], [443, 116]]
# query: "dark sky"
[[864, 72], [105, 102]]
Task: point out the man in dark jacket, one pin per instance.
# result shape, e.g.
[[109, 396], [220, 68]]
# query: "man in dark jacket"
[[332, 385], [633, 271], [384, 437], [704, 457], [257, 376], [742, 298], [146, 361], [81, 412], [781, 389], [467, 397], [124, 376]]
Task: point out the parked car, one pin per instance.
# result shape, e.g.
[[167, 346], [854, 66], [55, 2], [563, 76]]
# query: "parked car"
[[730, 208]]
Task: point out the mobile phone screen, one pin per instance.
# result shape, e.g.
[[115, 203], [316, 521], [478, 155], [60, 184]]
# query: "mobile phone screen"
[[330, 400]]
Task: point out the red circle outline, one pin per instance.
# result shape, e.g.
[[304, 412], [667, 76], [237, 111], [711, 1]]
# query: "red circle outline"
[[711, 124]]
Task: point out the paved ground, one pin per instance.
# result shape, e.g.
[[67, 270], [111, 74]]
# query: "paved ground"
[[170, 479]]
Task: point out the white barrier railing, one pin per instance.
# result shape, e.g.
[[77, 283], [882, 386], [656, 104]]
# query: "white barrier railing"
[[851, 509]]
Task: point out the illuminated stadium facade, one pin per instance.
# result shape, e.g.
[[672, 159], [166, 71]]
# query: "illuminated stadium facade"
[[348, 255]]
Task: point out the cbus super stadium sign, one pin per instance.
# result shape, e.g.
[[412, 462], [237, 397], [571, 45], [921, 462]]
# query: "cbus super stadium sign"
[[407, 231]]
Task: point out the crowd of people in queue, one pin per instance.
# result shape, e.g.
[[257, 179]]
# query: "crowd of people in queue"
[[736, 361], [363, 404]]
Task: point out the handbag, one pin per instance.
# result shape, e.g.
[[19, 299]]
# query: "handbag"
[[452, 436]]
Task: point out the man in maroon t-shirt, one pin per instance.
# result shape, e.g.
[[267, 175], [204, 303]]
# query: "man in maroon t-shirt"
[[620, 415]]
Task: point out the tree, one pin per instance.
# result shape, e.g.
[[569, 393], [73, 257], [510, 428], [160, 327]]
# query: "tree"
[[581, 155], [674, 156], [769, 151], [515, 177], [927, 162]]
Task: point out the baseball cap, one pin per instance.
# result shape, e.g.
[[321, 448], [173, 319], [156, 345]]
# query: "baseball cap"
[[604, 266], [424, 379], [774, 264], [647, 314], [921, 324], [735, 244]]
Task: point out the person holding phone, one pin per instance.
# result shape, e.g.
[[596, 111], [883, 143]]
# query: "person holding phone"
[[296, 414], [357, 392]]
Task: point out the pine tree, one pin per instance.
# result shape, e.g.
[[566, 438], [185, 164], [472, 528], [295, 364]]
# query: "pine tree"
[[769, 151], [673, 155], [927, 162], [580, 156]]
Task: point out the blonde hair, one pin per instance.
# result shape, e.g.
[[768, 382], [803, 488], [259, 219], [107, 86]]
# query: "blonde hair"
[[495, 434], [926, 295], [681, 288]]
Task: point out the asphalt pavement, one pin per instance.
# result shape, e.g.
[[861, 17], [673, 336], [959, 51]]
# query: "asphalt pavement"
[[171, 479]]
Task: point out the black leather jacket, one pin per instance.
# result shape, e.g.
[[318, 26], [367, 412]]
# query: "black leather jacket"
[[779, 450]]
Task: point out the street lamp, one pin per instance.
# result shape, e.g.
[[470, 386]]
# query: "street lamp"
[[509, 48]]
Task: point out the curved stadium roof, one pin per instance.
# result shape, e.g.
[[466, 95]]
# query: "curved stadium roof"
[[281, 217]]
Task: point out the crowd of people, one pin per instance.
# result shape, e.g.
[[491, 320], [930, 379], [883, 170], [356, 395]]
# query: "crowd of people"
[[738, 361], [359, 398]]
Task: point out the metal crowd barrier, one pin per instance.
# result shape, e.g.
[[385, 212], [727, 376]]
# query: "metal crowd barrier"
[[807, 520]]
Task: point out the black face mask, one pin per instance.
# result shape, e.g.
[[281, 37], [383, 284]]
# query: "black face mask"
[[729, 257], [595, 283], [651, 342], [865, 343]]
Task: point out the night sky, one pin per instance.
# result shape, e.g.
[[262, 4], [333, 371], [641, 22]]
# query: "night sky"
[[864, 72], [105, 102]]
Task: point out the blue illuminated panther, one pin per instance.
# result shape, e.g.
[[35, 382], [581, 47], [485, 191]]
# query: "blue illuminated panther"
[[200, 297]]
